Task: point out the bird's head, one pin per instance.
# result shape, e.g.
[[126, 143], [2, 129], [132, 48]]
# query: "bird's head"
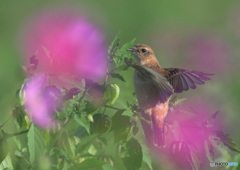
[[143, 53]]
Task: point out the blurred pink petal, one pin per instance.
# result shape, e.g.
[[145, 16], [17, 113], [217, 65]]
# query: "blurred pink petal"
[[67, 45], [41, 101], [189, 125]]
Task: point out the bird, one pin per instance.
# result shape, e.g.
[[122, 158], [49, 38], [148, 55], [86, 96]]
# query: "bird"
[[154, 85]]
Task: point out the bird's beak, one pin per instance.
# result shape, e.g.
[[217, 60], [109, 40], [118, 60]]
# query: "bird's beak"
[[131, 49]]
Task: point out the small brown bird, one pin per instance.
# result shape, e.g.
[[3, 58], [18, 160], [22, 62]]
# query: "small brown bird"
[[154, 86]]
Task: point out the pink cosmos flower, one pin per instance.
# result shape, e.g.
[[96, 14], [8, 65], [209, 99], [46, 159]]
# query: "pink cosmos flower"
[[41, 101], [66, 45]]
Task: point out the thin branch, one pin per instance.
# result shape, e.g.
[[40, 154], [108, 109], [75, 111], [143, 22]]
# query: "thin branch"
[[15, 134], [1, 126], [111, 107]]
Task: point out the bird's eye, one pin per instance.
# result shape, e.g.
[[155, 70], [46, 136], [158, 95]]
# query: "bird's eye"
[[144, 50]]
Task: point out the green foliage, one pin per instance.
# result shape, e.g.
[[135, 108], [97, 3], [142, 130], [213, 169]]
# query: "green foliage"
[[101, 123], [123, 53], [132, 159], [226, 140], [91, 163], [36, 144], [3, 149], [118, 76], [175, 101], [112, 49], [122, 126], [111, 94], [83, 121], [110, 134], [7, 163]]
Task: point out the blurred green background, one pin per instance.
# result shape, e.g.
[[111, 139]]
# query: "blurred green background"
[[172, 28]]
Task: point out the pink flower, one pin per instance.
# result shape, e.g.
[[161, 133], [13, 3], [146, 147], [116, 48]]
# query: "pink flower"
[[66, 45], [190, 126], [191, 129], [41, 101]]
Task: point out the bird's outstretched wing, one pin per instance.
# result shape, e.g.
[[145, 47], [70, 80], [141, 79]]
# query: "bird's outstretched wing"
[[151, 85], [182, 79]]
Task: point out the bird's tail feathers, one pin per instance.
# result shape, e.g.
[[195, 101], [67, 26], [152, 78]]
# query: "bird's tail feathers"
[[159, 132]]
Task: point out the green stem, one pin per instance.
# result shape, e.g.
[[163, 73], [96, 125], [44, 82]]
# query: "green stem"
[[15, 134], [111, 107], [68, 119]]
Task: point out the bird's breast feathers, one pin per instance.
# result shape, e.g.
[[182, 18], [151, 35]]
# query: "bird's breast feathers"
[[147, 92]]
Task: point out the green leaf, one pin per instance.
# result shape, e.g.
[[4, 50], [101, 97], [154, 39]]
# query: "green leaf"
[[101, 123], [92, 163], [146, 155], [122, 134], [118, 76], [82, 120], [123, 53], [128, 112], [236, 160], [92, 150], [44, 163], [47, 137], [124, 49], [36, 143], [73, 141], [84, 142], [226, 140], [90, 107], [3, 149], [178, 101], [68, 108], [75, 105], [111, 94], [175, 101], [80, 132], [19, 114], [2, 125], [119, 121], [6, 163], [133, 158], [122, 126], [18, 142], [113, 47]]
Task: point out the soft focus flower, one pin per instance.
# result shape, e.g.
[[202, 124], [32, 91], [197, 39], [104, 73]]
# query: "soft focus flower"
[[61, 49], [66, 45], [41, 101], [190, 126]]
